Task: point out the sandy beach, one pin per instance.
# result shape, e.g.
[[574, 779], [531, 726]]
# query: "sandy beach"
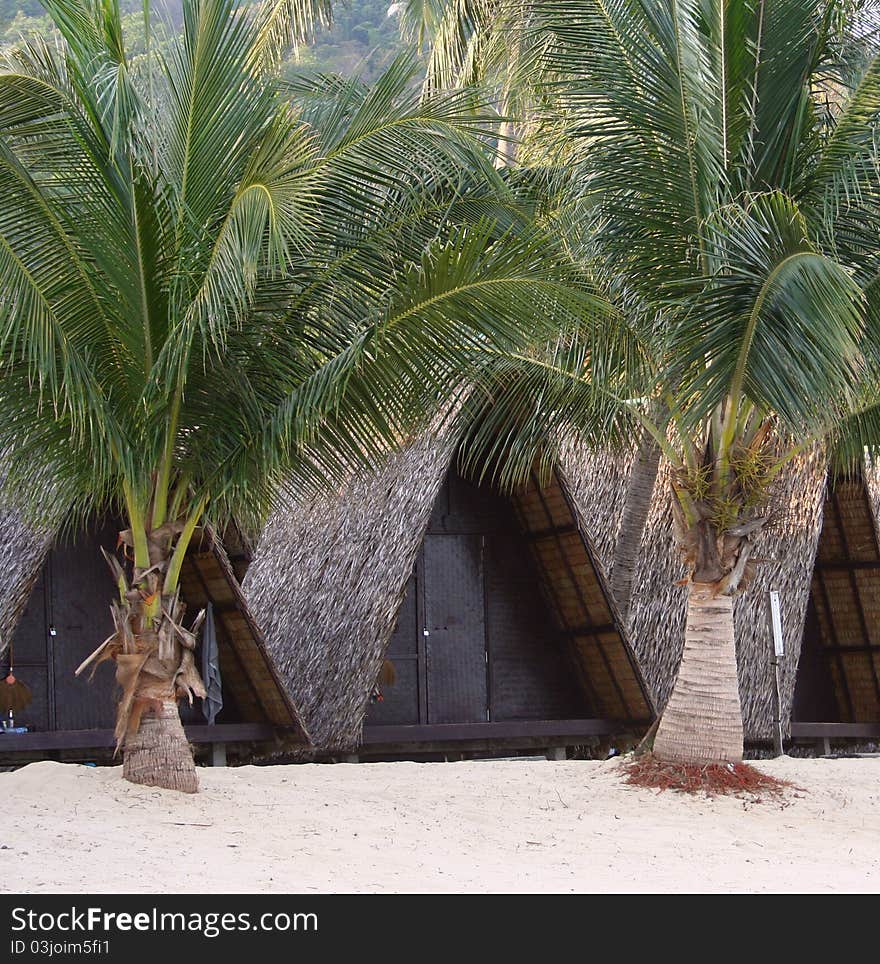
[[502, 826]]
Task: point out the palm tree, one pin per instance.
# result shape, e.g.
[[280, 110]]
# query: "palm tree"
[[212, 282], [723, 171], [500, 43]]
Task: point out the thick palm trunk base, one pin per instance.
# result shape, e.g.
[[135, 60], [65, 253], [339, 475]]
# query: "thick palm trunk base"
[[158, 755], [155, 663], [702, 722]]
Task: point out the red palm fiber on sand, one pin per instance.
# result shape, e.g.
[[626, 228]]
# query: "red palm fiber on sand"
[[714, 779]]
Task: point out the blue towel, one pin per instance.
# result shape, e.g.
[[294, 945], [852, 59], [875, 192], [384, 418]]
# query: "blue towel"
[[213, 702]]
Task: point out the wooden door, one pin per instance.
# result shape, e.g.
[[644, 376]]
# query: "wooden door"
[[30, 659], [475, 640], [455, 622], [79, 614]]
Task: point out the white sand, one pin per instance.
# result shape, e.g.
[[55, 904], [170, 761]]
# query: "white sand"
[[481, 827]]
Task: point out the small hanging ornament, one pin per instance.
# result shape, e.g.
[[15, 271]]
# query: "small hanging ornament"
[[14, 695]]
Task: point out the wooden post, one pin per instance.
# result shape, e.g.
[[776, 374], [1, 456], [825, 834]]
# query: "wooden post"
[[218, 754], [556, 753], [777, 733], [778, 652]]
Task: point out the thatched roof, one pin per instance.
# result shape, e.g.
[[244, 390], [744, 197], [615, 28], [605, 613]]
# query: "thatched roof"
[[22, 554], [329, 576], [597, 486], [789, 546], [657, 614]]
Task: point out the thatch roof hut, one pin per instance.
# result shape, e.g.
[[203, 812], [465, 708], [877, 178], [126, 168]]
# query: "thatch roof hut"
[[807, 512], [62, 590], [337, 579], [337, 586]]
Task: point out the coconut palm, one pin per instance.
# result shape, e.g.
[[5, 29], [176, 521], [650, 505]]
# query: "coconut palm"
[[469, 42], [723, 181], [212, 282]]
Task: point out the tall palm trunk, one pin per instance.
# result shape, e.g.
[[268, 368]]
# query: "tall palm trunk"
[[160, 670], [506, 145], [702, 722], [639, 490], [716, 521]]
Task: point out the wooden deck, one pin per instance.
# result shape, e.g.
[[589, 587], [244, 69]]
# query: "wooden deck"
[[518, 734], [841, 731], [103, 739]]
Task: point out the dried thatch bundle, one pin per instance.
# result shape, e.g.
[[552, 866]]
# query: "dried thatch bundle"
[[596, 484], [330, 574], [22, 553], [23, 550]]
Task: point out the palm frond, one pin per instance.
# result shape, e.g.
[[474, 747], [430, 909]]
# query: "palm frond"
[[285, 23], [779, 324]]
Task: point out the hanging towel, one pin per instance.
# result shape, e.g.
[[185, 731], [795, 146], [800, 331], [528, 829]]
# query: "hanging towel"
[[213, 702]]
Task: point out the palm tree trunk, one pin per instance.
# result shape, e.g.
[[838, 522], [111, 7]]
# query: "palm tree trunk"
[[160, 670], [155, 668], [639, 490], [702, 722], [158, 755], [506, 145]]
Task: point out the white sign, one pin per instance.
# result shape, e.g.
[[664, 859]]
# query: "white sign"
[[776, 619]]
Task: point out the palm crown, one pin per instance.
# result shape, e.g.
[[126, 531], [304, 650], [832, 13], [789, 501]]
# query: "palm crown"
[[196, 256], [720, 179]]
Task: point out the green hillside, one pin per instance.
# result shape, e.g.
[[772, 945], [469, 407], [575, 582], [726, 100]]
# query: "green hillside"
[[362, 38]]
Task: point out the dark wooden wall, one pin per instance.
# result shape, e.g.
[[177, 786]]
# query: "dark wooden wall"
[[814, 696], [474, 639], [72, 596]]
